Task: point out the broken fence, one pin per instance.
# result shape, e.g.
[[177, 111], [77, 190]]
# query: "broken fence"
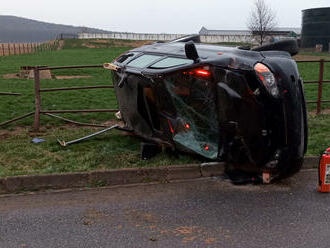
[[39, 111], [38, 90]]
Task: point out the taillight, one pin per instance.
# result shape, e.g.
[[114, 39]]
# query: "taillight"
[[201, 72], [267, 78]]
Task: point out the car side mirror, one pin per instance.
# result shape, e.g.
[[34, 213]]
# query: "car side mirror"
[[191, 51]]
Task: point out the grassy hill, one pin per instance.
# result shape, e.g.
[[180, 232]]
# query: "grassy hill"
[[18, 29]]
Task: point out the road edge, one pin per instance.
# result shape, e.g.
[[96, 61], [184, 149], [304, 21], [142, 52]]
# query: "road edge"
[[18, 184]]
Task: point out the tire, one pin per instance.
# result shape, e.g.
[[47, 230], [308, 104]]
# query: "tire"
[[290, 46]]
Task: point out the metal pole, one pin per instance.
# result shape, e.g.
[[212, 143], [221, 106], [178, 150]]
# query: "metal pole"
[[319, 97], [36, 125], [63, 143]]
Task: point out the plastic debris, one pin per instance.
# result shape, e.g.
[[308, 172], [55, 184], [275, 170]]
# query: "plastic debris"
[[37, 140]]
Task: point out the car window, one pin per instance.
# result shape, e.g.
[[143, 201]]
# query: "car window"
[[171, 62], [144, 60], [126, 57]]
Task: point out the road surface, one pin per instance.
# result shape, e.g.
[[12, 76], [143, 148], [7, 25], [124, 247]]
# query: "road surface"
[[198, 213]]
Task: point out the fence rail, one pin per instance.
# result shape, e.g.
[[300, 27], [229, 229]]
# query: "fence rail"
[[320, 83], [7, 49], [38, 90], [9, 94]]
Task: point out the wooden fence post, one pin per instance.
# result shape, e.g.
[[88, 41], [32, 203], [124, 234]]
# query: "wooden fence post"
[[36, 124], [319, 97], [3, 49], [8, 45]]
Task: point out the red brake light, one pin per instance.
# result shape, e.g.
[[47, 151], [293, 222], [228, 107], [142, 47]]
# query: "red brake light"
[[202, 72], [187, 125], [199, 72]]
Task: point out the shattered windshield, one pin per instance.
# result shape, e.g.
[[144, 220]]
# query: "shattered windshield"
[[195, 101]]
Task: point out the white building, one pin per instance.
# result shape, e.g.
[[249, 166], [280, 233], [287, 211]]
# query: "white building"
[[244, 36]]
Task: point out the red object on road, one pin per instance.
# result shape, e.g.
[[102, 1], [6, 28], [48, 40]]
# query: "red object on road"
[[324, 172]]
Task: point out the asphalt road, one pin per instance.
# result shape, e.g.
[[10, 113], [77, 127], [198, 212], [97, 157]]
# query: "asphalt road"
[[199, 213]]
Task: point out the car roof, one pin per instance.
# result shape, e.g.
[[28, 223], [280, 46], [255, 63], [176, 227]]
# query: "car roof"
[[204, 50], [209, 54]]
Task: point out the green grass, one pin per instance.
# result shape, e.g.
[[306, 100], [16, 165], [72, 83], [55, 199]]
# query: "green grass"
[[112, 150], [319, 134], [100, 43]]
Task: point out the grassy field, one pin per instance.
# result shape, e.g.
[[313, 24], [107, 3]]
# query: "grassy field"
[[19, 156], [98, 98]]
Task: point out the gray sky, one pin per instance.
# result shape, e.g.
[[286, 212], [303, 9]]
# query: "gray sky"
[[157, 16]]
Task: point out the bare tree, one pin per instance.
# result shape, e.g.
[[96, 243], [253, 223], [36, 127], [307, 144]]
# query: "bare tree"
[[261, 21]]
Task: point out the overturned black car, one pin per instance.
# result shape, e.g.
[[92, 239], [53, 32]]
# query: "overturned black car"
[[245, 107]]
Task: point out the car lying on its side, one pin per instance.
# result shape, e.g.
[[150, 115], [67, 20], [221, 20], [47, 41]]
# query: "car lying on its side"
[[245, 107]]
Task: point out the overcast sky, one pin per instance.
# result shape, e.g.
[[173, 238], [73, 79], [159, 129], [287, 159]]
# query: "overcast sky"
[[156, 16]]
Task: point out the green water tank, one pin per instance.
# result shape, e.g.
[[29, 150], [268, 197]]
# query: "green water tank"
[[316, 28]]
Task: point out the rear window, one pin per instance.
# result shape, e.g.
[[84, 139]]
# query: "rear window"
[[144, 61], [171, 62]]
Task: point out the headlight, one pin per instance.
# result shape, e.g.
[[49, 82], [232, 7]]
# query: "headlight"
[[267, 78]]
